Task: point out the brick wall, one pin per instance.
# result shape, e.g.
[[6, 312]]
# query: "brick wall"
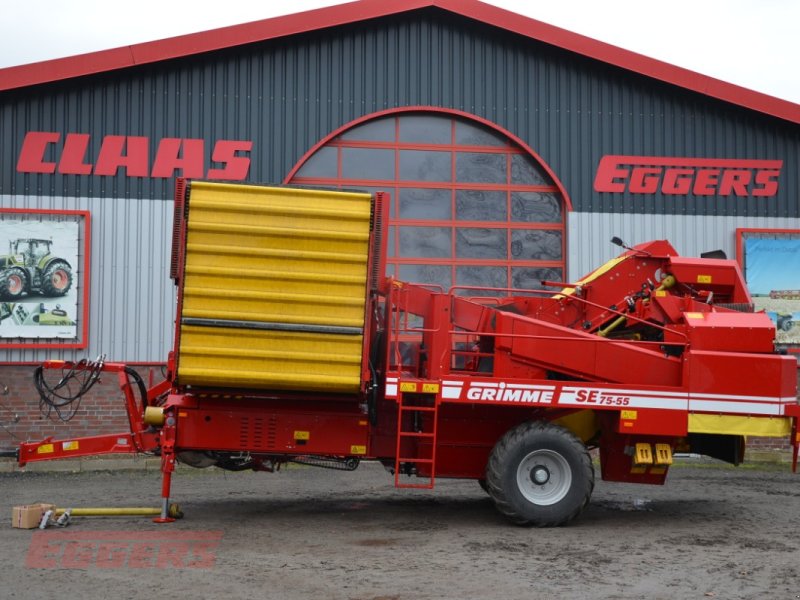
[[102, 410], [761, 443]]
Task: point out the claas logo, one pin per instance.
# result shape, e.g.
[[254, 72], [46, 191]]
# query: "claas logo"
[[47, 152]]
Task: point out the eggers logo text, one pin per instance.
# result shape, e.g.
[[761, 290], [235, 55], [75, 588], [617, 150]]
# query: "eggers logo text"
[[688, 176]]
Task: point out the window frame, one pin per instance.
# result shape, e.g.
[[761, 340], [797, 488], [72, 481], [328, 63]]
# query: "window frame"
[[512, 146]]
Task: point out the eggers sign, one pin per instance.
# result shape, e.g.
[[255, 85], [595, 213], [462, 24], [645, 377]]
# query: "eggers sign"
[[675, 176]]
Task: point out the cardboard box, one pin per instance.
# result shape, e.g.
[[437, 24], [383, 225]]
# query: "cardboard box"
[[30, 515]]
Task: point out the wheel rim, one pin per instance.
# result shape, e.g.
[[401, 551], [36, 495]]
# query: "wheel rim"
[[15, 285], [59, 279], [544, 477]]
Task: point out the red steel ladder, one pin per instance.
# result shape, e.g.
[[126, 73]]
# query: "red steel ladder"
[[417, 422]]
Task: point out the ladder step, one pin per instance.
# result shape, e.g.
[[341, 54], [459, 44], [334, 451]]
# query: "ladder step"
[[418, 408], [416, 434], [426, 461], [418, 486]]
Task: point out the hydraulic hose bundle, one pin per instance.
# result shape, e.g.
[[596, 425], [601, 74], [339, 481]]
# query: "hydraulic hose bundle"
[[64, 398]]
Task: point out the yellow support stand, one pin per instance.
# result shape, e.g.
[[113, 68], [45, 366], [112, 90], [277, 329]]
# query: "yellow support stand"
[[643, 454], [663, 454]]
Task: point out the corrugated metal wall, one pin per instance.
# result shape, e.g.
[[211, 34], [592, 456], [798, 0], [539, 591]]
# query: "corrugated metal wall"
[[286, 95], [590, 234], [131, 298]]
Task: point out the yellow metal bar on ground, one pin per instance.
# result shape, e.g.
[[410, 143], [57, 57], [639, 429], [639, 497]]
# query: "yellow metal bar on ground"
[[174, 512]]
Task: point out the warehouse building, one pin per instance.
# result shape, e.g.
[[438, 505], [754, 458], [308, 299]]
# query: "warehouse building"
[[513, 151]]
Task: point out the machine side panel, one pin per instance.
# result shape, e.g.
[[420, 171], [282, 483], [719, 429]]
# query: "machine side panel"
[[278, 277]]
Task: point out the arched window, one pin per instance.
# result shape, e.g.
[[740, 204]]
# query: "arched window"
[[470, 206]]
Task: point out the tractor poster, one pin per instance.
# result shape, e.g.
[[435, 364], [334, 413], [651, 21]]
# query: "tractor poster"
[[772, 271], [38, 279]]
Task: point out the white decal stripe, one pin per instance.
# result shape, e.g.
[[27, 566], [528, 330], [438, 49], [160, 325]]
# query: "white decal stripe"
[[451, 393], [510, 386], [391, 380], [638, 393], [662, 403], [739, 408], [632, 402], [514, 386], [762, 405], [739, 398]]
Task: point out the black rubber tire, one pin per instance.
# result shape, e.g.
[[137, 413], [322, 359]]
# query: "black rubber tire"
[[517, 446], [50, 283], [13, 283]]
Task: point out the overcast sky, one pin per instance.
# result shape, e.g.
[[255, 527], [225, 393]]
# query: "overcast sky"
[[752, 43]]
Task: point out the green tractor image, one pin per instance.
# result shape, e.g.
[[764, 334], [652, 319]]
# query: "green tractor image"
[[31, 268]]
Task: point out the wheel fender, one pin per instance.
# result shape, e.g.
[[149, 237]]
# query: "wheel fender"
[[50, 260], [582, 423]]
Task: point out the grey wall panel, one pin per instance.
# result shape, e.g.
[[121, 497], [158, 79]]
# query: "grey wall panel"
[[131, 298], [589, 235]]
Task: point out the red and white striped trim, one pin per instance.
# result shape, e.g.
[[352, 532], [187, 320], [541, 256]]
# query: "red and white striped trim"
[[592, 397]]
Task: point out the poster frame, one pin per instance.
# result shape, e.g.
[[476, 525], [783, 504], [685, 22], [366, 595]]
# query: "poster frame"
[[83, 217], [741, 234]]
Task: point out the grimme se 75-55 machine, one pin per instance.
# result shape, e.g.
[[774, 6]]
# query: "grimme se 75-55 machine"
[[291, 345]]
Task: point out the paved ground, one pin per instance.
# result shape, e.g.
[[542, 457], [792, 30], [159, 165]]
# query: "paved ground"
[[308, 533]]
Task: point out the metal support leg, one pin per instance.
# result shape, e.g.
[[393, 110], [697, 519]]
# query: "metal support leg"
[[167, 466], [166, 482]]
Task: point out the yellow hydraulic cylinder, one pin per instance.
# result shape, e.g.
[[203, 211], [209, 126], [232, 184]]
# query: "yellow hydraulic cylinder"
[[666, 283], [617, 322], [154, 415]]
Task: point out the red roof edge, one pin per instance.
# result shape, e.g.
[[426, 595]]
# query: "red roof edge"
[[204, 41], [361, 10], [625, 59]]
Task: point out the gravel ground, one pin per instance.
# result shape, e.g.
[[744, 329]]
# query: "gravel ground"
[[712, 531]]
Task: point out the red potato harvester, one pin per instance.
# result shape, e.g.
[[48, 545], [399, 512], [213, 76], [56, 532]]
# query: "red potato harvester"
[[292, 346]]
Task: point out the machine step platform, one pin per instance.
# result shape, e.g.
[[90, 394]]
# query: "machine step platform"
[[417, 421]]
